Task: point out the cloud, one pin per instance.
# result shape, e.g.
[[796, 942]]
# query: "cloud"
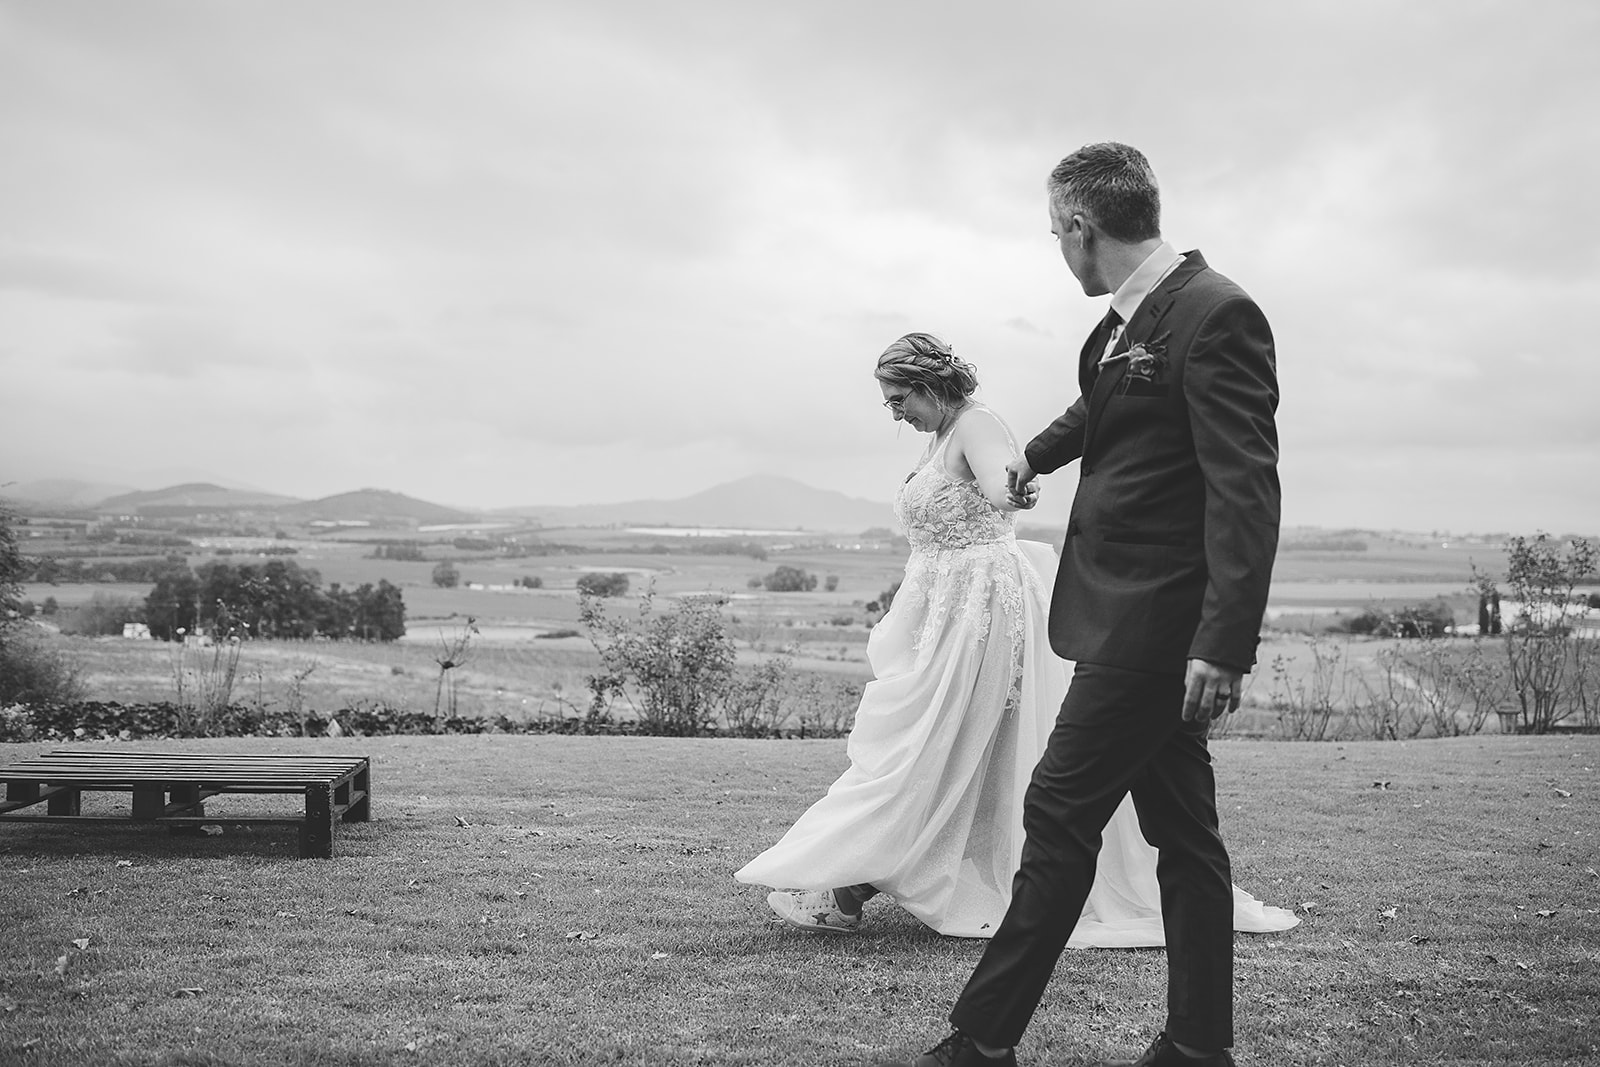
[[549, 253]]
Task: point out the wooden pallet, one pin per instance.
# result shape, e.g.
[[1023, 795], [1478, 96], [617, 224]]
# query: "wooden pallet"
[[171, 788]]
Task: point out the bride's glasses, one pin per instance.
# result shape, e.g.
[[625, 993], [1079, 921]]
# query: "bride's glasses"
[[895, 403]]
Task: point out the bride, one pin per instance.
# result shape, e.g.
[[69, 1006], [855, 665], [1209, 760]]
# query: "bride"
[[965, 693]]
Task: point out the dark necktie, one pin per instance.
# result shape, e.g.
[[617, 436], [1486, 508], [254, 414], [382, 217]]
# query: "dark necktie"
[[1102, 337]]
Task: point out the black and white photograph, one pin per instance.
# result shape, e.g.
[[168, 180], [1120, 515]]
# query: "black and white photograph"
[[868, 534]]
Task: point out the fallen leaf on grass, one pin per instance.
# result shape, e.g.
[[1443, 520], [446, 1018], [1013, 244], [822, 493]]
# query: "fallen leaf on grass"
[[214, 831], [579, 935], [659, 955], [124, 863], [188, 991], [1390, 913], [1544, 914], [1561, 792], [1418, 939], [286, 915], [462, 822], [1307, 906], [61, 966], [81, 942]]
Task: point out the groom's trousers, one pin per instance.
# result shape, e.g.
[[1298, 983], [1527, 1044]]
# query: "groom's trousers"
[[1119, 731]]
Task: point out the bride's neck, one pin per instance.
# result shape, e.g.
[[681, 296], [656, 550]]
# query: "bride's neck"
[[948, 423]]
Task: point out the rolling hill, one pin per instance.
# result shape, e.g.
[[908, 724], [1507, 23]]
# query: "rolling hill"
[[195, 496], [377, 506], [760, 502]]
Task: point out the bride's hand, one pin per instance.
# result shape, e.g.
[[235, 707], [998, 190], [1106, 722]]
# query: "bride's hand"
[[1024, 499]]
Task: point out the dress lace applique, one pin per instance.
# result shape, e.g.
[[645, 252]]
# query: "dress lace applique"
[[964, 558]]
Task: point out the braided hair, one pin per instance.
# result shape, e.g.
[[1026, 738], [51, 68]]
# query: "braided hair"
[[922, 362]]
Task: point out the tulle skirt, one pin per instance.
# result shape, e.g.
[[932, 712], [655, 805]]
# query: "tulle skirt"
[[964, 695]]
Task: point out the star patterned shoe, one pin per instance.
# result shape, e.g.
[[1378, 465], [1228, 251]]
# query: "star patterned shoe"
[[813, 910]]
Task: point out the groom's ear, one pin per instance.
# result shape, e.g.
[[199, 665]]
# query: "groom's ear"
[[1086, 231]]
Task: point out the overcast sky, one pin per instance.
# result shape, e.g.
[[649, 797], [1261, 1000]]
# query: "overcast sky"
[[493, 254]]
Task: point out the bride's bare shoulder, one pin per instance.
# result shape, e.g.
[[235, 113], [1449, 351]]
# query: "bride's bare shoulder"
[[982, 421]]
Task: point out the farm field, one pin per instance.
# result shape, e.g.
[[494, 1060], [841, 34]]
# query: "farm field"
[[529, 660]]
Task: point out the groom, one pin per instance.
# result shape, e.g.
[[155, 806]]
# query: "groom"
[[1158, 598]]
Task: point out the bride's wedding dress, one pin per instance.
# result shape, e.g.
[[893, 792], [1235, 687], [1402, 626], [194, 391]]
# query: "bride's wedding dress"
[[965, 693]]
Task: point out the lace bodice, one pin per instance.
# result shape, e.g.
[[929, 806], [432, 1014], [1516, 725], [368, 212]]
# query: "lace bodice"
[[938, 510], [964, 562]]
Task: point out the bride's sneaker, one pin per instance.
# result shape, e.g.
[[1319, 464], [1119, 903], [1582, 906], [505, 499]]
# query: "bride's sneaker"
[[814, 910]]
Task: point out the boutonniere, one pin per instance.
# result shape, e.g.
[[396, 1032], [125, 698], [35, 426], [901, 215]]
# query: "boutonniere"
[[1147, 360]]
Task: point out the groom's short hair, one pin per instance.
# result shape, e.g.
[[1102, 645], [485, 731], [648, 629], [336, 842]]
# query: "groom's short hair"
[[1112, 184]]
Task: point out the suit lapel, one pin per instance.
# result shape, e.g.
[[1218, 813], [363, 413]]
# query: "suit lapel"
[[1142, 327]]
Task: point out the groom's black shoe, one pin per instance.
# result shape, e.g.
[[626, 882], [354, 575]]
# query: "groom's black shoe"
[[1163, 1053], [957, 1050]]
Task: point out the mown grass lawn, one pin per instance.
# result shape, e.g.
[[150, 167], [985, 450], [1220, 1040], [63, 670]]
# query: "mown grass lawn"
[[562, 900]]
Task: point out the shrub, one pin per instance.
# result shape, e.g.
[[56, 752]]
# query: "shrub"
[[1429, 619], [787, 579], [678, 665], [401, 550], [531, 582], [595, 584], [33, 673], [832, 583], [445, 575], [886, 598]]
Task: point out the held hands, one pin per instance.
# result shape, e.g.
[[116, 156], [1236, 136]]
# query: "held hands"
[[1022, 492], [1211, 691]]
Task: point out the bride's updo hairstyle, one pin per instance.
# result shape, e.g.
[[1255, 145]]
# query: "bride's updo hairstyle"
[[922, 362]]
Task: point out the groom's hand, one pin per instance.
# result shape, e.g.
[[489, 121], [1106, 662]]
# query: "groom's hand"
[[1019, 477], [1211, 691]]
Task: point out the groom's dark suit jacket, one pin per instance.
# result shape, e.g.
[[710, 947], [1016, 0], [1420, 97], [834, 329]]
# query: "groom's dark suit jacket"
[[1169, 550]]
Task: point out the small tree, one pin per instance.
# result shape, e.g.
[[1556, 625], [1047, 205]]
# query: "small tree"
[[1539, 641], [832, 583], [787, 579], [445, 575], [454, 652]]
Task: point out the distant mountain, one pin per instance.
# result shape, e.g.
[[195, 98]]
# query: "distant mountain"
[[191, 496], [760, 502], [377, 506], [61, 492]]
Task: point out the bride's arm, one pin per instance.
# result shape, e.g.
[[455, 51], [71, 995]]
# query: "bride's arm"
[[987, 447]]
